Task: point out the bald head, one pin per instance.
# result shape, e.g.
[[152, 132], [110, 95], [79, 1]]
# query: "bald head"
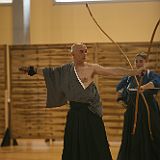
[[77, 47]]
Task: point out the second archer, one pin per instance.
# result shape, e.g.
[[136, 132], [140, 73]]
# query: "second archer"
[[141, 130]]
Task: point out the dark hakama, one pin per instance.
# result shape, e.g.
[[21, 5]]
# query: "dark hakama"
[[141, 146], [85, 137]]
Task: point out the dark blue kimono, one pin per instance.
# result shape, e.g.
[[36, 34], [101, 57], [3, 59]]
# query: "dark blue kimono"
[[140, 145]]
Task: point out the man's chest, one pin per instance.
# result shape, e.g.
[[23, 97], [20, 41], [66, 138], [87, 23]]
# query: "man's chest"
[[85, 74]]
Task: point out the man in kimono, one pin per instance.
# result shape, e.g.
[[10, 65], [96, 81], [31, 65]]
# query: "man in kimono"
[[85, 137], [141, 130]]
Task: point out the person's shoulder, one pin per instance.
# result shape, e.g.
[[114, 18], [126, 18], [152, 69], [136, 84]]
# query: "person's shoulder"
[[152, 73], [126, 78], [67, 65], [92, 65], [63, 67]]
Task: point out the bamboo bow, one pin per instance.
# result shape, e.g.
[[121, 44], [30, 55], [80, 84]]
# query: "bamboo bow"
[[152, 37], [127, 59]]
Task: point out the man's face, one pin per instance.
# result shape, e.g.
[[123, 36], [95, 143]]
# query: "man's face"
[[139, 62], [80, 53]]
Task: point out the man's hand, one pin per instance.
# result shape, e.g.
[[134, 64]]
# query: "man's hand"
[[141, 89], [30, 70], [148, 85]]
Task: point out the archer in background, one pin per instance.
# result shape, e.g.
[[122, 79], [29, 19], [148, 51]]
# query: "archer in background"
[[141, 130]]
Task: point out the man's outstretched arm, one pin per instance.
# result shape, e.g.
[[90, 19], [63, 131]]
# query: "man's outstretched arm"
[[115, 71]]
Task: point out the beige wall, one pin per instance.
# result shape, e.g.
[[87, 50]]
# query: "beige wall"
[[5, 24], [124, 22], [71, 23]]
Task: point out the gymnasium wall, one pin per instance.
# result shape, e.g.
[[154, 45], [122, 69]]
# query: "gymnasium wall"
[[55, 24], [30, 118]]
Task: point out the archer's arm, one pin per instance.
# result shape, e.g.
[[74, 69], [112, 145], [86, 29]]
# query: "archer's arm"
[[115, 71]]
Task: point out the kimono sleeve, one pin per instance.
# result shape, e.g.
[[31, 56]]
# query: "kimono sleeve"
[[122, 84], [53, 80], [155, 79]]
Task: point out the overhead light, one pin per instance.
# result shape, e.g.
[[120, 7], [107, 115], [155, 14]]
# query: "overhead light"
[[66, 1], [87, 1], [6, 1]]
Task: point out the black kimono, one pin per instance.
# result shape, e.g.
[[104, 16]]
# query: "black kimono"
[[141, 145], [85, 137]]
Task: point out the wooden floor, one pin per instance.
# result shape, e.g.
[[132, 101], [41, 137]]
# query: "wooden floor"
[[40, 150]]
